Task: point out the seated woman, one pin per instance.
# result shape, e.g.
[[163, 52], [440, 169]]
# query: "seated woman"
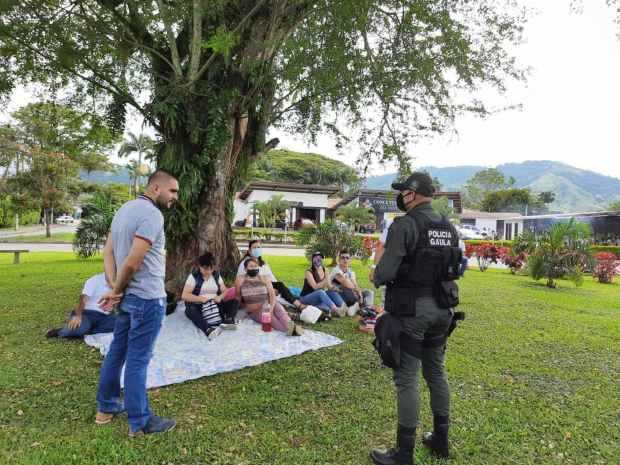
[[315, 283], [254, 250], [343, 281], [203, 295], [257, 296], [88, 317]]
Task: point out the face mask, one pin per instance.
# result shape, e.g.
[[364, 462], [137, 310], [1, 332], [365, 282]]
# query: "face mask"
[[400, 202], [256, 252], [253, 273], [317, 261]]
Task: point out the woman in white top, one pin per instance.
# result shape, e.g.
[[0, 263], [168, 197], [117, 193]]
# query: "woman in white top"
[[203, 295], [255, 250]]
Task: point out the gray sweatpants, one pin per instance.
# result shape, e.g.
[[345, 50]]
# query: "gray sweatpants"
[[429, 318]]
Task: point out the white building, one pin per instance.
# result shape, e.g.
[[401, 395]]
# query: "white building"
[[505, 225], [307, 201]]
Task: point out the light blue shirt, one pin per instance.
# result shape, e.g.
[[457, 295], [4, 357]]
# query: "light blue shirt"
[[142, 219]]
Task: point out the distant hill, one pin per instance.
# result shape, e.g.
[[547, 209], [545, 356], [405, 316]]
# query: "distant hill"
[[120, 176], [575, 189]]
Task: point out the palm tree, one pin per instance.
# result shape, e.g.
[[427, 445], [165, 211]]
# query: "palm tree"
[[143, 145], [356, 216]]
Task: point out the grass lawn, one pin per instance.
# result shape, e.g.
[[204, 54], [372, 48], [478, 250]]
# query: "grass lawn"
[[63, 237], [534, 377]]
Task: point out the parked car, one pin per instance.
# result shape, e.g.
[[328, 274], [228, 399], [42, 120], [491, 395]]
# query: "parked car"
[[65, 219], [470, 232]]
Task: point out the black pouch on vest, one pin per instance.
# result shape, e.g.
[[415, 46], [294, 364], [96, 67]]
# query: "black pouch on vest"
[[388, 331], [446, 294], [400, 301]]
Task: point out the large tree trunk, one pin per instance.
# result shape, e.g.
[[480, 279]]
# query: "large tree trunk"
[[213, 232]]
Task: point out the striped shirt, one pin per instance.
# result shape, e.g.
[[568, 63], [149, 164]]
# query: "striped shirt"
[[254, 291]]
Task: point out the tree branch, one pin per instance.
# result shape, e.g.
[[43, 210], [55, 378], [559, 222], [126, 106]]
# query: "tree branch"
[[196, 47], [172, 43]]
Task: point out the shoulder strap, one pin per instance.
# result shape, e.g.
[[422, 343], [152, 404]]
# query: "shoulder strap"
[[216, 276], [199, 280]]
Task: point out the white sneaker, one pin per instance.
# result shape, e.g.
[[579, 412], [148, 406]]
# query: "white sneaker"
[[214, 332], [228, 326], [353, 309]]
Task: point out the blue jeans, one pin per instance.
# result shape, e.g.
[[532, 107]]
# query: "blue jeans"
[[93, 322], [137, 326], [321, 299]]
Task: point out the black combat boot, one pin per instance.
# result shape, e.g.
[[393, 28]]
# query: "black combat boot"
[[437, 441], [402, 454]]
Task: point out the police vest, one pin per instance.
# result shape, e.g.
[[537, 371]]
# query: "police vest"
[[435, 260]]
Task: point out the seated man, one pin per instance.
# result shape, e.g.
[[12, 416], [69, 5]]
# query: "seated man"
[[88, 318], [344, 282]]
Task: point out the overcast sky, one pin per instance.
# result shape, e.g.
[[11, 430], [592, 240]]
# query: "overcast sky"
[[570, 105]]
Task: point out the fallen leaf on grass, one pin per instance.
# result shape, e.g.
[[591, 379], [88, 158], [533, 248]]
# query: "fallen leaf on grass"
[[20, 413]]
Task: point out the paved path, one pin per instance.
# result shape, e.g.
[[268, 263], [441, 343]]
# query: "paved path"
[[278, 251], [35, 231]]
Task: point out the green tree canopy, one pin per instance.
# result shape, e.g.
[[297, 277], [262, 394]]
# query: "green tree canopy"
[[213, 77], [482, 183], [355, 215], [304, 168], [516, 200]]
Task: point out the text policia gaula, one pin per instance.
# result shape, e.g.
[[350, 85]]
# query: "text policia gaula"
[[441, 238]]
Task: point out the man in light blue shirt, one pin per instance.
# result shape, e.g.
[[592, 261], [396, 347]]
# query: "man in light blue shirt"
[[135, 262]]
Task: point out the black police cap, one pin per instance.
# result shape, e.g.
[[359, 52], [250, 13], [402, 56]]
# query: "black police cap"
[[418, 182]]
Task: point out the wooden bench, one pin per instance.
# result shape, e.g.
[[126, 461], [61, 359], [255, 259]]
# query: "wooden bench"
[[15, 253]]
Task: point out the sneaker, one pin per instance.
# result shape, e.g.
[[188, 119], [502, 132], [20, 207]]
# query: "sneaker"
[[53, 333], [228, 326], [339, 312], [155, 425], [353, 309], [213, 332]]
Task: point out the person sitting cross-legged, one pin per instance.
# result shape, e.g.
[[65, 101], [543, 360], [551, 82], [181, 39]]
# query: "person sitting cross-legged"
[[203, 295], [314, 292], [343, 281], [88, 318]]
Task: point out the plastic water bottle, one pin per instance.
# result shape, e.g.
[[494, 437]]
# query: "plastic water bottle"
[[265, 320]]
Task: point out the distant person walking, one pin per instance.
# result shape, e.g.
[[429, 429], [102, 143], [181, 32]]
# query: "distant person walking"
[[135, 263]]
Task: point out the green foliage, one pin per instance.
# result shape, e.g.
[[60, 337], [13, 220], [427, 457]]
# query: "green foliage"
[[271, 211], [8, 210], [441, 206], [516, 200], [303, 168], [97, 217], [483, 183], [355, 215], [606, 248], [614, 206], [561, 251], [329, 238], [213, 77]]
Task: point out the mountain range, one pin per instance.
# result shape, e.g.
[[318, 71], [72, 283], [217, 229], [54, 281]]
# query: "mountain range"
[[576, 190]]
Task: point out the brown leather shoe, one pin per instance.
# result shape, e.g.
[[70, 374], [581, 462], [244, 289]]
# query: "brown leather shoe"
[[103, 418]]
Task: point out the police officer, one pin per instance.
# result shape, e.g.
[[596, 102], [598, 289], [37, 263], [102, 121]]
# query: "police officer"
[[412, 265]]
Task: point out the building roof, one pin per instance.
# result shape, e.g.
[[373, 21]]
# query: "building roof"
[[569, 215], [490, 215], [286, 187]]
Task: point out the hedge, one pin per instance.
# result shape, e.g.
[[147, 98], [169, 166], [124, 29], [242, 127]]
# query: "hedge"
[[606, 248], [484, 241]]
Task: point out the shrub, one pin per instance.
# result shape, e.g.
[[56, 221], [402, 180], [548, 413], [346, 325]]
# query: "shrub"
[[606, 267], [97, 218], [328, 238], [485, 253]]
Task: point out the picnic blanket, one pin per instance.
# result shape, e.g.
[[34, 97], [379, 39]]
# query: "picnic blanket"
[[183, 352]]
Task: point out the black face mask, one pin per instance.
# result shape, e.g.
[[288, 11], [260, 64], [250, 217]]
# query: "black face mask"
[[400, 202], [253, 273]]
